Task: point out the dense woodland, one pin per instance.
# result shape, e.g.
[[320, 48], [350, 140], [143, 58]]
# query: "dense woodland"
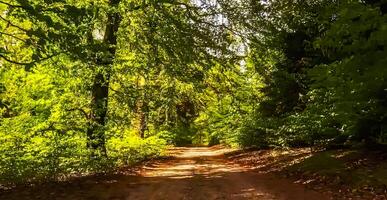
[[92, 85]]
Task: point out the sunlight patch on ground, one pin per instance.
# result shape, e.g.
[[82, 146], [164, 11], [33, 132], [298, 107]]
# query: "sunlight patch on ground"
[[252, 193], [193, 161]]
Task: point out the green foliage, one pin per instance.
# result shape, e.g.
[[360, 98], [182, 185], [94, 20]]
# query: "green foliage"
[[356, 82], [86, 86], [319, 67], [179, 136], [42, 130], [131, 150]]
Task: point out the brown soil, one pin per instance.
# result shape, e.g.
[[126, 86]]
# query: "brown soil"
[[190, 173], [340, 174]]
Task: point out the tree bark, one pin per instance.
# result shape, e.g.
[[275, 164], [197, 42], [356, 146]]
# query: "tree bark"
[[143, 125], [143, 118], [100, 88]]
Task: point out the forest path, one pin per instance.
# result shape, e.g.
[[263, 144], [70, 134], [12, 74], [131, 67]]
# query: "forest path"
[[191, 174]]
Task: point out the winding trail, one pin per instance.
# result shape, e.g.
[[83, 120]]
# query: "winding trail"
[[191, 174]]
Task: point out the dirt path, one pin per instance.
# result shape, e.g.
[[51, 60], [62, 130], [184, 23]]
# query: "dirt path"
[[193, 173]]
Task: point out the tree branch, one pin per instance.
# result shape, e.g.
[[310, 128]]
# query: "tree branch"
[[81, 110], [26, 64], [13, 25], [14, 62], [11, 5], [10, 35]]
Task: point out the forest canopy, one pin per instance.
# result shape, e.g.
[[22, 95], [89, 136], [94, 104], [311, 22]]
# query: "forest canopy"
[[88, 86]]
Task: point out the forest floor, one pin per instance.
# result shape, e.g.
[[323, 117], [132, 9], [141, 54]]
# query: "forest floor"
[[220, 173], [188, 173], [338, 174]]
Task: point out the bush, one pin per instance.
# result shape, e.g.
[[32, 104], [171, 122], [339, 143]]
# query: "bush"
[[30, 158], [131, 150]]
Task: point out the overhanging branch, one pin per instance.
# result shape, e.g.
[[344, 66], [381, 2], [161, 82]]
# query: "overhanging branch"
[[10, 5], [28, 63], [13, 25]]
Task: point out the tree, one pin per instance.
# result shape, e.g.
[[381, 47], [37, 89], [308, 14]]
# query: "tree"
[[90, 32]]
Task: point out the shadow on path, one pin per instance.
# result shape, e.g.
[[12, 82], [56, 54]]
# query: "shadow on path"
[[192, 173]]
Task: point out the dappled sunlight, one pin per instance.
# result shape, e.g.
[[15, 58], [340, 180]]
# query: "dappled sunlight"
[[252, 193], [191, 173], [197, 152], [267, 161], [193, 161]]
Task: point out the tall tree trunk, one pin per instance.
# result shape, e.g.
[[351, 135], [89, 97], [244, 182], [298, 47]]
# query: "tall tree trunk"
[[140, 120], [143, 125], [100, 89], [143, 119]]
